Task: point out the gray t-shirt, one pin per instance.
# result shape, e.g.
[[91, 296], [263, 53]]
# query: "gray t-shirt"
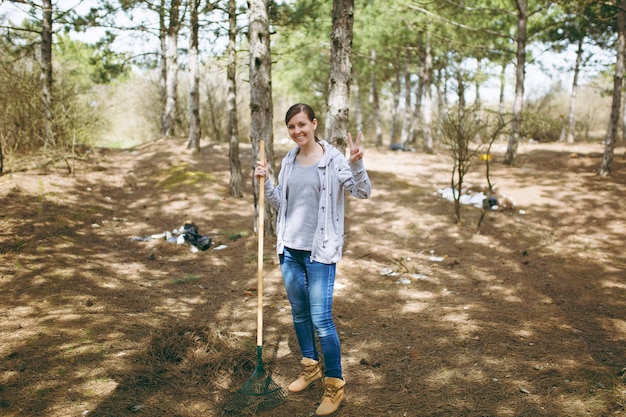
[[303, 196]]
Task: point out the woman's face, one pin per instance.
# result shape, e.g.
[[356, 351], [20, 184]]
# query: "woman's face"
[[301, 129]]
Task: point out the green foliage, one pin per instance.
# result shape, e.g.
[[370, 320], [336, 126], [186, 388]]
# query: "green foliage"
[[19, 89], [301, 51], [78, 69], [89, 64]]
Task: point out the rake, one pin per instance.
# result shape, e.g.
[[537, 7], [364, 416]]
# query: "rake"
[[259, 392]]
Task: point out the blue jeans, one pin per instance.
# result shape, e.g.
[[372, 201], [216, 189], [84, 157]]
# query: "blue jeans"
[[309, 288]]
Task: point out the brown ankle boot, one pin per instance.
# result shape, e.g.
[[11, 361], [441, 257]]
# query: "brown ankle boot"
[[311, 372], [333, 396]]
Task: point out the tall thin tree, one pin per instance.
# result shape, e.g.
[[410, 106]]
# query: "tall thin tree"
[[195, 131], [569, 129], [518, 103], [427, 102], [162, 60], [374, 100], [618, 80], [231, 103], [340, 73], [261, 106], [46, 70], [171, 59]]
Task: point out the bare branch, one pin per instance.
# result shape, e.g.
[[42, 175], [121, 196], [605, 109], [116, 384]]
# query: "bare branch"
[[460, 25], [19, 29], [479, 9]]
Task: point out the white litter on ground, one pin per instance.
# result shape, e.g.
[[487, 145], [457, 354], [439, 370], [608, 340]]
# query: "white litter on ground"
[[475, 199], [479, 199]]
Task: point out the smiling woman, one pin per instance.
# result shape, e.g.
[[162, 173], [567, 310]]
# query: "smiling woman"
[[309, 197]]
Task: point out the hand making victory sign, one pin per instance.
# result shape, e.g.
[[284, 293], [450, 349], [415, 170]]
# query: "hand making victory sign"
[[356, 150]]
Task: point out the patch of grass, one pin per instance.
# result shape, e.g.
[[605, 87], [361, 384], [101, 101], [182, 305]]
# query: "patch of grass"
[[43, 392], [239, 235], [184, 280], [181, 175]]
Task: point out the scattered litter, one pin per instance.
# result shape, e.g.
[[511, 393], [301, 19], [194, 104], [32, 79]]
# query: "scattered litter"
[[478, 199], [475, 199], [436, 258], [403, 281], [220, 247], [188, 233], [418, 276], [137, 408], [388, 272], [401, 147]]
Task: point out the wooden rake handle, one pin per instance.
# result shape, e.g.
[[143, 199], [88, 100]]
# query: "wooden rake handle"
[[260, 234]]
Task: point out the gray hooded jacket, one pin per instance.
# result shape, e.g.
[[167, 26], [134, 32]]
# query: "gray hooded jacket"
[[336, 175]]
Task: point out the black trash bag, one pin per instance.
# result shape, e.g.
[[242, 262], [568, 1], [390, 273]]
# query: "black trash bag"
[[192, 236]]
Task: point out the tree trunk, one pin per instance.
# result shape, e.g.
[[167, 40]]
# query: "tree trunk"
[[518, 104], [460, 86], [375, 101], [194, 95], [568, 131], [395, 108], [618, 78], [502, 87], [171, 81], [417, 109], [162, 61], [211, 104], [477, 98], [445, 101], [416, 116], [46, 72], [427, 101], [340, 73], [441, 90], [231, 103], [261, 111], [623, 123], [358, 114], [405, 132]]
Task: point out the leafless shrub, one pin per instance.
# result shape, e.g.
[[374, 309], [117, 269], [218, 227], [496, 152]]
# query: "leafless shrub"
[[468, 133]]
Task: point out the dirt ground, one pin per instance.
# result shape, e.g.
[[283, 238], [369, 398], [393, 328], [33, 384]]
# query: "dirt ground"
[[524, 317]]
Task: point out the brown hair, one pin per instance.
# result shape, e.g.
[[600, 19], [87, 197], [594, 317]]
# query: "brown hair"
[[300, 108]]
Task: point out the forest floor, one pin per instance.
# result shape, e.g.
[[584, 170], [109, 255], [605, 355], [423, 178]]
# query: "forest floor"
[[525, 316]]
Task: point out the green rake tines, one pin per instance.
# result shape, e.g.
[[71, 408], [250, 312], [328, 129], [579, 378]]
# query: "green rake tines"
[[259, 393]]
